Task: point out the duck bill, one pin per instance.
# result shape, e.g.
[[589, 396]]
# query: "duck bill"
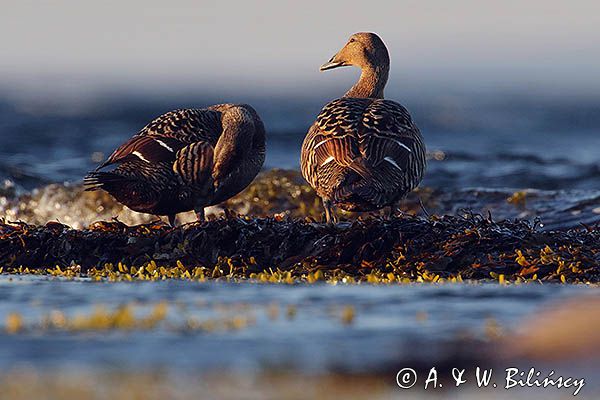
[[331, 64]]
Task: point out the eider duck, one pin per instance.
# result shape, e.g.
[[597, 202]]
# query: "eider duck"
[[185, 160], [363, 153]]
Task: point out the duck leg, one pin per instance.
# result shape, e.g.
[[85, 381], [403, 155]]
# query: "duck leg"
[[173, 220], [390, 211], [200, 214], [330, 216]]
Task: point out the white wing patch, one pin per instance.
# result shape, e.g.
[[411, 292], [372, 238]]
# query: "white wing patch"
[[393, 162], [328, 160], [140, 156], [163, 144], [402, 145], [321, 142], [399, 143]]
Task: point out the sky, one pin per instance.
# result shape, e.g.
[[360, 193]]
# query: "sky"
[[275, 47]]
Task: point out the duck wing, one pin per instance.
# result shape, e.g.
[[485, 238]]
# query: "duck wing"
[[194, 163], [388, 137], [162, 139], [150, 149], [335, 137]]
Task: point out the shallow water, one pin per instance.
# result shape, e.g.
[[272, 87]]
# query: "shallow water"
[[388, 325]]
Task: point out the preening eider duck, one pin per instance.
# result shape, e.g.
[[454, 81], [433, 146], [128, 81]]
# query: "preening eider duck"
[[185, 160], [363, 153]]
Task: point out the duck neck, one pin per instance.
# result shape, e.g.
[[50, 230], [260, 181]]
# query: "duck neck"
[[371, 82]]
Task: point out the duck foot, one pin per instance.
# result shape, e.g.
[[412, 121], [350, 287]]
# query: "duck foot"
[[330, 217]]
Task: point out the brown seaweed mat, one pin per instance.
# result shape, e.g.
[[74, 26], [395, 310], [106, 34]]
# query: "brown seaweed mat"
[[402, 249]]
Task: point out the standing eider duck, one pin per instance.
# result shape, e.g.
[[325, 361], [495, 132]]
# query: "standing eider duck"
[[185, 160], [363, 153]]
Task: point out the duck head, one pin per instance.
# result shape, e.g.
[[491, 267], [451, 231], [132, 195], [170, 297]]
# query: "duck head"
[[363, 50]]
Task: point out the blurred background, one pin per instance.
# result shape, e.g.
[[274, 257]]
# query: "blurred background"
[[505, 92]]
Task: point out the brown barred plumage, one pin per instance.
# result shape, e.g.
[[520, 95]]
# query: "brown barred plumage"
[[363, 153], [185, 160]]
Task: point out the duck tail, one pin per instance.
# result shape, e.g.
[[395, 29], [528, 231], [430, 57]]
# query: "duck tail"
[[102, 180], [357, 194]]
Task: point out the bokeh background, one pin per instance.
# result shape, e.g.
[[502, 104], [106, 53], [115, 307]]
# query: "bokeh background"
[[507, 96], [505, 91], [77, 49]]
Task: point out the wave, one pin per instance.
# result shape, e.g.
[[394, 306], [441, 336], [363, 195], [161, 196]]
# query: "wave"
[[284, 192]]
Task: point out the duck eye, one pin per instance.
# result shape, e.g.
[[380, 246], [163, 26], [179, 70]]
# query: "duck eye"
[[352, 40]]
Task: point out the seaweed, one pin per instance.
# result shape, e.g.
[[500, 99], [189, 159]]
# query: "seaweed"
[[402, 249]]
